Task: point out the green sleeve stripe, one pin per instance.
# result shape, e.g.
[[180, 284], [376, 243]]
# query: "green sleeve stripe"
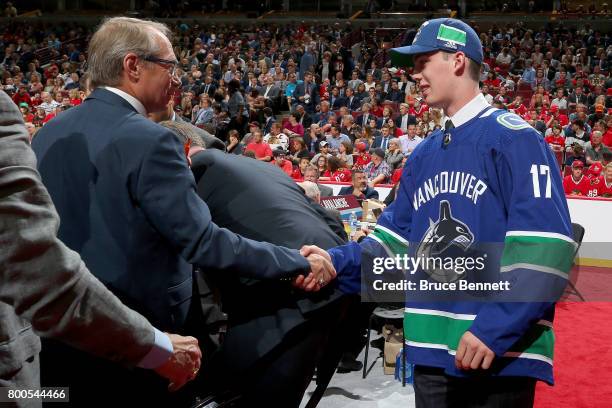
[[546, 254], [391, 242], [440, 331]]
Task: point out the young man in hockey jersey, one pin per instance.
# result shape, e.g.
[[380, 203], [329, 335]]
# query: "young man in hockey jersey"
[[487, 177]]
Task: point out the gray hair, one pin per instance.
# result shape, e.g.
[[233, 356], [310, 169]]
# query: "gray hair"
[[113, 40], [185, 131], [311, 190], [199, 137], [395, 140]]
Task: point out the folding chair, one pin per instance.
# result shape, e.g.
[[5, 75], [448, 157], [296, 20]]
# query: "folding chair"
[[578, 232]]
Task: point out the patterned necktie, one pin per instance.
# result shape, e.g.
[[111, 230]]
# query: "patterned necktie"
[[448, 126]]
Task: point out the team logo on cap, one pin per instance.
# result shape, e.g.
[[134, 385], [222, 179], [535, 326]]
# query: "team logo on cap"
[[452, 35]]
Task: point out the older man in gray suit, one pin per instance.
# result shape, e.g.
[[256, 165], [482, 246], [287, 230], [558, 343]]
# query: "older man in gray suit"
[[46, 289]]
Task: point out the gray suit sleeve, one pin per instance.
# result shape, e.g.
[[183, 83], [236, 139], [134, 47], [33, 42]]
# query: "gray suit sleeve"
[[45, 282]]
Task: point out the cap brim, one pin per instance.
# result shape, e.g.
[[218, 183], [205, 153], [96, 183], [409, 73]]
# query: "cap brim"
[[403, 56]]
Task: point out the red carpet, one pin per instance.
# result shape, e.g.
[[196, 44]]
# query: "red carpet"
[[583, 358]]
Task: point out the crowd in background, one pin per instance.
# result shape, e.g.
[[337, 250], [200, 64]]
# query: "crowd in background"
[[294, 96]]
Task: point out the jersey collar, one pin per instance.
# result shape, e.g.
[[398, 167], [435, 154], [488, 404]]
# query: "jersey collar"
[[470, 110]]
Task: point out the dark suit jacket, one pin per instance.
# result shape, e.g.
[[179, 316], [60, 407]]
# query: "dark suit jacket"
[[128, 205], [353, 105], [306, 121], [338, 102], [368, 193], [378, 141], [211, 89], [360, 118], [301, 91], [43, 285], [259, 201]]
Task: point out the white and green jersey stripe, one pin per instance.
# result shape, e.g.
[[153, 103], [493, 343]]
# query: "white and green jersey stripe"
[[436, 329], [538, 251]]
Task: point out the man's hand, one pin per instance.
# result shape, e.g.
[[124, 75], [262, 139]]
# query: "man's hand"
[[472, 353], [184, 364], [321, 269]]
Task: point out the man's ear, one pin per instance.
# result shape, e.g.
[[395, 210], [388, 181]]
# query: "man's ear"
[[460, 62], [132, 66]]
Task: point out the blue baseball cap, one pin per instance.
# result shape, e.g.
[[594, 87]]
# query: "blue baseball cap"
[[446, 34]]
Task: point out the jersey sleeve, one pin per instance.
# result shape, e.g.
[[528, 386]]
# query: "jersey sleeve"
[[538, 249], [356, 264]]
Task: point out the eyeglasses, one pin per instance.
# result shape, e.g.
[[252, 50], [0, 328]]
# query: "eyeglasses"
[[173, 63]]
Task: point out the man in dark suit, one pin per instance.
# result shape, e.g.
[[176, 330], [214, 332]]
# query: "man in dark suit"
[[305, 119], [383, 139], [335, 99], [269, 91], [363, 120], [274, 334], [46, 288], [128, 205], [306, 94], [208, 87], [360, 188], [352, 102], [405, 118]]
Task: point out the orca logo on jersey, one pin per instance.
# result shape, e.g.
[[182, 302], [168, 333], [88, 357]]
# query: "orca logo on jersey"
[[446, 232]]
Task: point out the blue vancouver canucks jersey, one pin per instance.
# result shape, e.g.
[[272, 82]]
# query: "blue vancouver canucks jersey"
[[496, 181]]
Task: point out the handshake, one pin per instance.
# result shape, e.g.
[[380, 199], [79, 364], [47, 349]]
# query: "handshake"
[[184, 363], [321, 273]]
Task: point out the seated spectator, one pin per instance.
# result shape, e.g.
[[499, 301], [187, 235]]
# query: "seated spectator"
[[394, 155], [336, 170], [382, 141], [205, 115], [261, 149], [293, 128], [335, 138], [323, 117], [559, 101], [575, 133], [276, 138], [345, 153], [561, 118], [324, 151], [556, 140], [233, 145], [312, 174], [595, 149], [576, 183], [321, 163], [605, 182], [363, 157], [577, 153], [280, 160], [300, 169], [410, 140], [359, 187], [377, 171], [598, 115]]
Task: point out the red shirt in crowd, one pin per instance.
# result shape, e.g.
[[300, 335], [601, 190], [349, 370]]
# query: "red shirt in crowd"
[[362, 160], [397, 175], [603, 189], [296, 174], [572, 187], [286, 166], [607, 138], [339, 175], [555, 140], [261, 149]]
